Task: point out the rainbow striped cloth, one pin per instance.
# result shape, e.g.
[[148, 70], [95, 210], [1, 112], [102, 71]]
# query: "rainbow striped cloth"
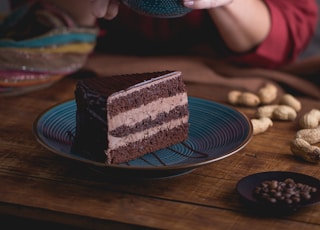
[[39, 45]]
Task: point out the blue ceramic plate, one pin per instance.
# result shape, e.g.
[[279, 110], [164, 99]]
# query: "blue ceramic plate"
[[216, 132]]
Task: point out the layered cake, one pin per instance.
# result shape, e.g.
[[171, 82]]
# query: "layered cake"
[[121, 118]]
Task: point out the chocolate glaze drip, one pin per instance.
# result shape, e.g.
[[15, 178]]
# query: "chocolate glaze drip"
[[148, 162], [201, 155]]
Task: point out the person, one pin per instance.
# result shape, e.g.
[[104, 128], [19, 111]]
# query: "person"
[[259, 33]]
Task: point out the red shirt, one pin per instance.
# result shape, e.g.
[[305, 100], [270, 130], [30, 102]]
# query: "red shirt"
[[293, 25]]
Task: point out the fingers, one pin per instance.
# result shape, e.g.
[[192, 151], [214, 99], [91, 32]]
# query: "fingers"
[[99, 7], [105, 8], [113, 10], [205, 4]]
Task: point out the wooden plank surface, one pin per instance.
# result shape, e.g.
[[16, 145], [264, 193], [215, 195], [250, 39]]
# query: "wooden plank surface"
[[41, 185]]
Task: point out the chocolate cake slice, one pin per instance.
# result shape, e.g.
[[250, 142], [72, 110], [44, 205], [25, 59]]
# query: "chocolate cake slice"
[[121, 118]]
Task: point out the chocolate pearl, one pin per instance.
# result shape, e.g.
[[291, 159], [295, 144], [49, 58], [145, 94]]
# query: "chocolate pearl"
[[290, 191], [290, 185], [297, 194], [272, 200], [287, 195], [296, 199], [288, 201], [305, 188], [299, 185], [280, 188], [282, 184], [306, 195], [289, 180], [265, 195], [273, 191], [274, 184], [257, 190], [287, 191], [278, 195]]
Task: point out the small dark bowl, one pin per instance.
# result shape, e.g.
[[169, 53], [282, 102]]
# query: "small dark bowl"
[[158, 8], [247, 185]]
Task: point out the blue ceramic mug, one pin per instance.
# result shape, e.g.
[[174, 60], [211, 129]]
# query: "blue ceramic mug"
[[158, 8]]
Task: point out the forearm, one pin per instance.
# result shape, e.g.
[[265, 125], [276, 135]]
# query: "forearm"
[[243, 24]]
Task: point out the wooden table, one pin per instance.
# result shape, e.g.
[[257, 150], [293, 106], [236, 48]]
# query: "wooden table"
[[39, 185]]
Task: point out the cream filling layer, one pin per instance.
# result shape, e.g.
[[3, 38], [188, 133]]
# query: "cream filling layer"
[[116, 142], [151, 110]]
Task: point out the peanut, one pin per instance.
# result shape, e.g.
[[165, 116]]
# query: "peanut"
[[277, 112], [285, 113], [288, 99], [268, 93], [265, 111], [312, 136], [236, 97], [304, 150], [310, 120], [261, 125]]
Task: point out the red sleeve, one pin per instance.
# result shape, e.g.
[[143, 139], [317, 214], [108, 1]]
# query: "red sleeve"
[[293, 25]]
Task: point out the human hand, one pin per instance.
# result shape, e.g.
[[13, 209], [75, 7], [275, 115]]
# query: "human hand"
[[107, 9], [205, 4]]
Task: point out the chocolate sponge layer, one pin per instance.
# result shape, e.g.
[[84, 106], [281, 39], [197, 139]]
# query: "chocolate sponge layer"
[[150, 144]]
